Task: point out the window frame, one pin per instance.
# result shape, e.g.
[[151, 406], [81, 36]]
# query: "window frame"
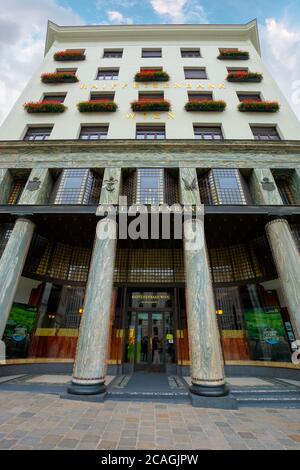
[[191, 50], [83, 130], [106, 76], [156, 130], [112, 51], [151, 50], [274, 128], [195, 69], [30, 129], [213, 132]]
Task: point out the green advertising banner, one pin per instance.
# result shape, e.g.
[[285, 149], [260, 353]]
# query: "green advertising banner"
[[266, 334], [18, 330]]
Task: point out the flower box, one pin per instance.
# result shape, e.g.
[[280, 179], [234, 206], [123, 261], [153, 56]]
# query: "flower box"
[[64, 56], [45, 107], [151, 76], [259, 106], [59, 77], [253, 77], [232, 54], [205, 105], [97, 106], [155, 105]]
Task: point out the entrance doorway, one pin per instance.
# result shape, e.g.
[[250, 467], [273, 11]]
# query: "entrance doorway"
[[150, 338]]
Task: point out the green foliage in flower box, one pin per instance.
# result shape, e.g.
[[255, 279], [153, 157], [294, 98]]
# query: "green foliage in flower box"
[[59, 77], [151, 76], [97, 106], [232, 54], [64, 56], [205, 105], [259, 106], [45, 107], [161, 105], [254, 77]]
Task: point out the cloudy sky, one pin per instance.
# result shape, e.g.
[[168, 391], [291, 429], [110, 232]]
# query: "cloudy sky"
[[23, 27]]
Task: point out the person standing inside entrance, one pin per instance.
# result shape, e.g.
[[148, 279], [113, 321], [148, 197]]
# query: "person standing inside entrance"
[[155, 350]]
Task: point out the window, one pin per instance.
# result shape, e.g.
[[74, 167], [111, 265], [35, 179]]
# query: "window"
[[16, 190], [150, 132], [150, 186], [249, 97], [284, 183], [5, 233], [38, 133], [108, 74], [72, 71], [190, 53], [208, 133], [194, 74], [194, 96], [265, 133], [151, 96], [113, 53], [102, 96], [223, 186], [80, 186], [151, 53], [237, 69], [60, 98], [93, 132]]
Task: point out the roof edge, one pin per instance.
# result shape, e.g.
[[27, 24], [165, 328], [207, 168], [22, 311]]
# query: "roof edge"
[[55, 32]]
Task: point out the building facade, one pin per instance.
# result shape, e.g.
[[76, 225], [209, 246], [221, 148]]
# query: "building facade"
[[164, 115]]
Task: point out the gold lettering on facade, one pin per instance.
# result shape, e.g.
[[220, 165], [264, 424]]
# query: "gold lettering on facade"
[[177, 85], [200, 87], [83, 86], [130, 115], [136, 85], [94, 87], [156, 115], [124, 85], [189, 86], [170, 115]]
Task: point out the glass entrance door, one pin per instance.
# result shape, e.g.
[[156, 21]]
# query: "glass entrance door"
[[150, 340]]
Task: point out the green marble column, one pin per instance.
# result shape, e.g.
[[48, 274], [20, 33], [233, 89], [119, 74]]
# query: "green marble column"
[[287, 261], [207, 364], [189, 190], [14, 256], [11, 266], [295, 185], [263, 188], [5, 185], [90, 363]]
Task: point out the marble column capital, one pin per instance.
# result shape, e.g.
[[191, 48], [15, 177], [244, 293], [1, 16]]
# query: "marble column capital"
[[281, 220]]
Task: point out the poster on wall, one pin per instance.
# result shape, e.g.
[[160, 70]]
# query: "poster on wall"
[[266, 335], [18, 330]]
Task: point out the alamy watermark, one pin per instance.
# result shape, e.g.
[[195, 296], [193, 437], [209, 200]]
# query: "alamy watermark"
[[155, 222]]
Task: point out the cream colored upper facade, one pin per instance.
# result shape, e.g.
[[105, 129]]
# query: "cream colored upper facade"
[[170, 38]]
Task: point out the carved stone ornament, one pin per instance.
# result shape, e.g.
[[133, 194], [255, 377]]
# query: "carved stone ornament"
[[190, 186], [267, 185], [110, 184], [34, 184]]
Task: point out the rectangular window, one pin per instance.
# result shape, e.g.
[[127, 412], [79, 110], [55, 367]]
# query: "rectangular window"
[[102, 96], [195, 74], [150, 186], [108, 74], [249, 97], [93, 132], [237, 69], [194, 96], [265, 133], [208, 133], [151, 53], [68, 70], [77, 186], [18, 184], [151, 96], [38, 133], [150, 132], [190, 53], [59, 97], [113, 53]]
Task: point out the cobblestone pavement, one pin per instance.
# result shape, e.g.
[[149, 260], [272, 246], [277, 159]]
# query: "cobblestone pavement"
[[40, 421]]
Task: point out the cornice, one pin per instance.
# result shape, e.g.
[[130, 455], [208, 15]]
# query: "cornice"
[[131, 145], [220, 32]]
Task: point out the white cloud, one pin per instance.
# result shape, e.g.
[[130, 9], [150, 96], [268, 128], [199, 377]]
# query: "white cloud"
[[23, 26], [281, 52], [116, 17], [180, 11]]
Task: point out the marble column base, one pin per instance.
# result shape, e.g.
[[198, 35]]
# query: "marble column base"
[[209, 390], [86, 389]]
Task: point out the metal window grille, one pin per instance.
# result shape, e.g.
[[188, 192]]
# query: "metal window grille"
[[5, 233], [16, 191], [78, 186]]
